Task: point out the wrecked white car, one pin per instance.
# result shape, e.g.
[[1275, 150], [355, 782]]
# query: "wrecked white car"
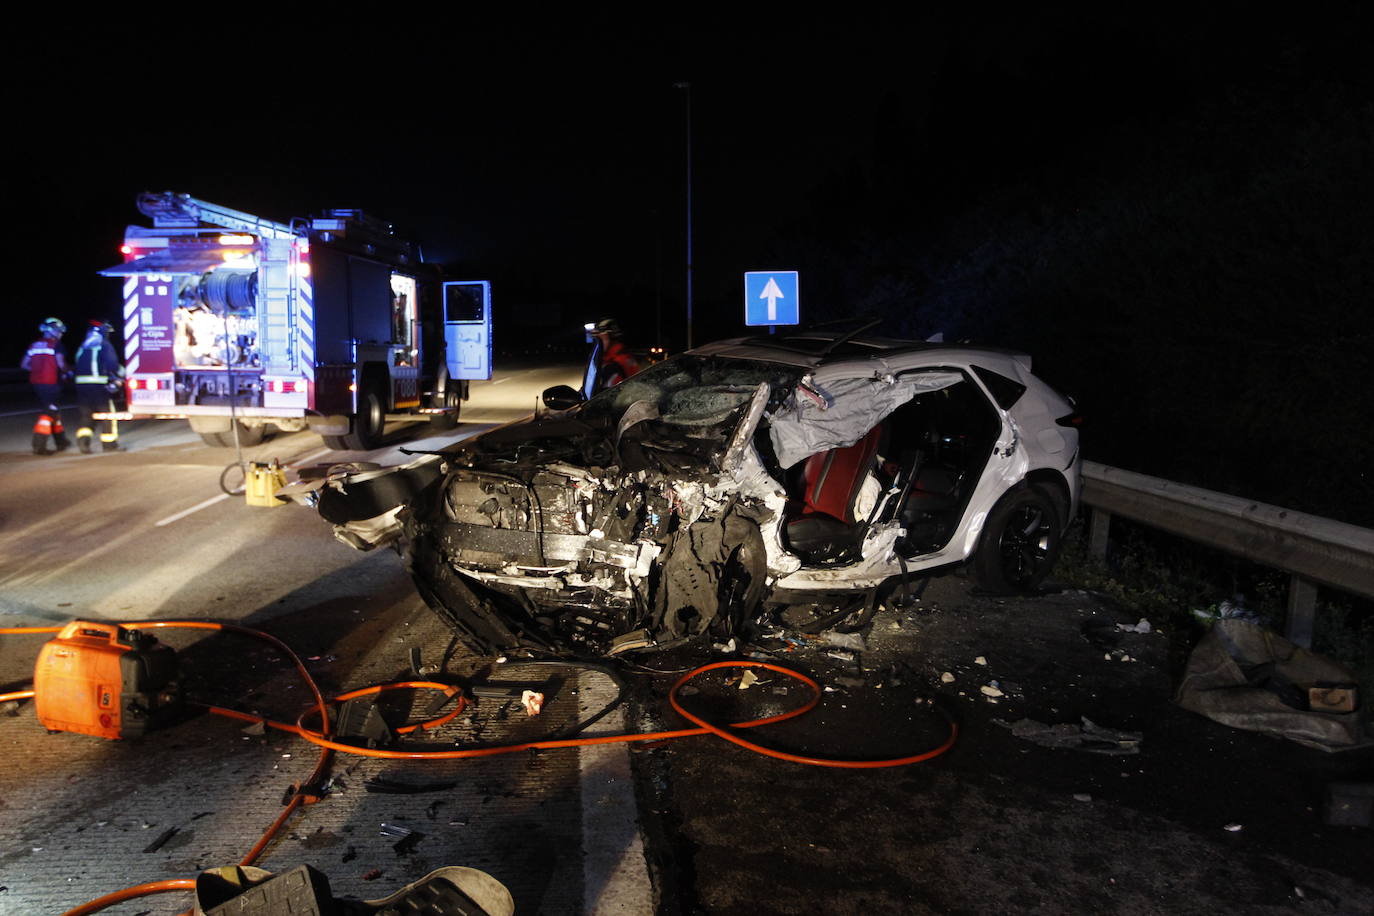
[[745, 478]]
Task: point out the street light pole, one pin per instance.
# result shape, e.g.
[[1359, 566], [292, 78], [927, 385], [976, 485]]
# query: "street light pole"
[[686, 88]]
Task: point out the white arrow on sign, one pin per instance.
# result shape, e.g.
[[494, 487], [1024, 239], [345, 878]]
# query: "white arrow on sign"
[[772, 294]]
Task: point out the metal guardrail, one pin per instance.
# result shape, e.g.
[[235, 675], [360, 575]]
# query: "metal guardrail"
[[1315, 551]]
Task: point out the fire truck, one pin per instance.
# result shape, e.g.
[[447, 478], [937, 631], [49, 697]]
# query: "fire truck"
[[242, 325]]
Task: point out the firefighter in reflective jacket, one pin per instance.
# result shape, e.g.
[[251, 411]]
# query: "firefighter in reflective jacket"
[[98, 376], [47, 370]]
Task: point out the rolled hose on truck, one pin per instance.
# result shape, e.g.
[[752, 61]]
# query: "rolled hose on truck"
[[310, 790]]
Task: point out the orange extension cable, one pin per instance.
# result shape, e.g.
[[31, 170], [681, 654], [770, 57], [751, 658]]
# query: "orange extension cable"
[[306, 791]]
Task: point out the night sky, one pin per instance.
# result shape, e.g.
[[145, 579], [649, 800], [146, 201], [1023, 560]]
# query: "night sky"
[[1169, 210]]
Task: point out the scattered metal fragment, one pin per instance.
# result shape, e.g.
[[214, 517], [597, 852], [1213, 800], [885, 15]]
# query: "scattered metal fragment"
[[162, 838], [1088, 737], [407, 839], [846, 641], [383, 785]]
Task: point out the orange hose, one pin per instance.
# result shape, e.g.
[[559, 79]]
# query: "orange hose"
[[18, 695], [784, 755], [324, 741], [129, 893]]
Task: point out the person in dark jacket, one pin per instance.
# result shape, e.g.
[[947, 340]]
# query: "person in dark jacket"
[[98, 376], [47, 369], [616, 363]]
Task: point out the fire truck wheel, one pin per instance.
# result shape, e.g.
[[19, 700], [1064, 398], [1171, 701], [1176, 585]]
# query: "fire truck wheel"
[[366, 433], [445, 421], [248, 436]]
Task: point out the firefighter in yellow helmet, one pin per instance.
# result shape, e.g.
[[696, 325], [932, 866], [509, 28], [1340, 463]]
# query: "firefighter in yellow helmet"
[[98, 377]]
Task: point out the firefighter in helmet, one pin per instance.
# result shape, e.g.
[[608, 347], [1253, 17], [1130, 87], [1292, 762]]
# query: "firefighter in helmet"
[[98, 377], [615, 363], [47, 369]]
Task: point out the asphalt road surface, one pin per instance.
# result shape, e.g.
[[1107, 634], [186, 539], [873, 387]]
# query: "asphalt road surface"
[[1200, 819]]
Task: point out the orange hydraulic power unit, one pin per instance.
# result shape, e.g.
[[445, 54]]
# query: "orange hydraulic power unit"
[[105, 680]]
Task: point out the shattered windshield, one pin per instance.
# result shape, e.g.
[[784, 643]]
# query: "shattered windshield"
[[690, 390], [688, 404]]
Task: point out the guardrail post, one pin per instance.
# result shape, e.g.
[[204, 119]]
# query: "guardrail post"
[[1302, 611], [1099, 521]]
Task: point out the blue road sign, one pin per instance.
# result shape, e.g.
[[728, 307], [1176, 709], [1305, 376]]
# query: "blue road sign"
[[770, 297]]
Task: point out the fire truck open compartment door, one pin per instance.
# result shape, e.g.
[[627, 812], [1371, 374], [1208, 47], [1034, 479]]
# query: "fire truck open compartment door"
[[467, 328]]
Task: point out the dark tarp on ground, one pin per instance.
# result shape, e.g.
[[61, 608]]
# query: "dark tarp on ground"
[[1247, 677]]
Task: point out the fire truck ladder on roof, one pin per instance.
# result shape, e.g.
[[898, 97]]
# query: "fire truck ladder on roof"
[[168, 209]]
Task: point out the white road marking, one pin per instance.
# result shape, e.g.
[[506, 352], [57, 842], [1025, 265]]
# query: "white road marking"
[[196, 508], [615, 875], [502, 379]]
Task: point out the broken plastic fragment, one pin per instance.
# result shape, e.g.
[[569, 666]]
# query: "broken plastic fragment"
[[980, 660], [747, 680], [990, 690], [1234, 828], [946, 678], [532, 701]]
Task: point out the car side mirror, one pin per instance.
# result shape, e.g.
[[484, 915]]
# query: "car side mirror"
[[561, 397]]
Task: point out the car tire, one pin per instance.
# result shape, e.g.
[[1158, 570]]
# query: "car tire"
[[1020, 542], [368, 423]]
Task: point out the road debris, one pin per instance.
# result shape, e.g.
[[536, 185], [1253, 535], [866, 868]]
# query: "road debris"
[[980, 660], [1089, 736], [408, 839], [161, 840], [383, 785], [747, 680], [946, 678], [1142, 627], [991, 690], [533, 702], [846, 641]]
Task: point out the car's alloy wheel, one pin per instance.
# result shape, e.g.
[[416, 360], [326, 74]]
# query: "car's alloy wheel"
[[1020, 542]]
